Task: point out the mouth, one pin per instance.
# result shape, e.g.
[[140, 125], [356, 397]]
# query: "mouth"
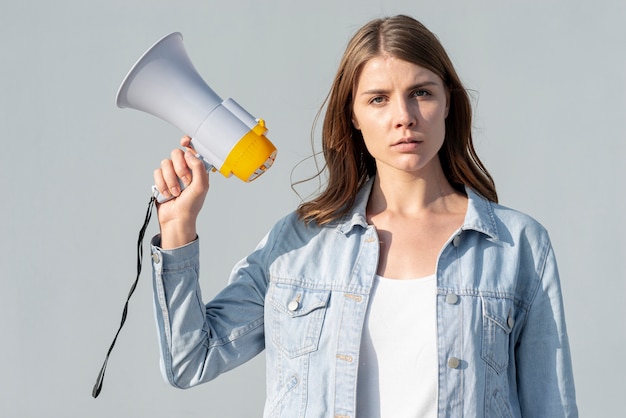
[[404, 141], [407, 145]]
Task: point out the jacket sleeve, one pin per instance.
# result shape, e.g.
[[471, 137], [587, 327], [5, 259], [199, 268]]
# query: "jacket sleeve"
[[544, 366], [198, 342]]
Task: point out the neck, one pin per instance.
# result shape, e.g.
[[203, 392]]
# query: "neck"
[[408, 194]]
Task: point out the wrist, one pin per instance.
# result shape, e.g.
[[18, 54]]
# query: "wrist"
[[174, 235]]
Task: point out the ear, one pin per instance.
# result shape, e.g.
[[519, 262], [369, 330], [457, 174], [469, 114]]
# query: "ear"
[[355, 123], [447, 103]]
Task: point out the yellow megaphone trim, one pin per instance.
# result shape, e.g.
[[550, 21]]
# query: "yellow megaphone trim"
[[251, 156]]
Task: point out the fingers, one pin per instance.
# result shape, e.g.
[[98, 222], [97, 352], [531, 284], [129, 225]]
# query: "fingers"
[[166, 178], [198, 170], [185, 142], [181, 168], [177, 217], [178, 171]]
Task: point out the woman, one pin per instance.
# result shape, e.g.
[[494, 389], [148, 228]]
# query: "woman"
[[403, 289]]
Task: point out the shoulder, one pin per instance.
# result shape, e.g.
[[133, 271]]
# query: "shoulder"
[[504, 223], [291, 223], [291, 231], [514, 220], [517, 220], [524, 234], [519, 244]]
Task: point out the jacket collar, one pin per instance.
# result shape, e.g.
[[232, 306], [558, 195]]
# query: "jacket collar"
[[479, 216]]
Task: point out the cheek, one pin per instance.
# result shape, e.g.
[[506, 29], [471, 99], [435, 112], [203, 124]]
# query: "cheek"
[[370, 139], [437, 117], [360, 117], [364, 121], [372, 133]]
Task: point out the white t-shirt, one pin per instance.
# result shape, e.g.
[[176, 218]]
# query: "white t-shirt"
[[398, 365]]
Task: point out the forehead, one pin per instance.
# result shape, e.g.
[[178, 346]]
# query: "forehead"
[[387, 70]]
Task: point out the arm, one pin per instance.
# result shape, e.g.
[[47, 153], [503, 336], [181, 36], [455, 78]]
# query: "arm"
[[544, 365], [198, 342]]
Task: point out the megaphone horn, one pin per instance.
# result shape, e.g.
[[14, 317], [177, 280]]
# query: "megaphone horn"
[[165, 83]]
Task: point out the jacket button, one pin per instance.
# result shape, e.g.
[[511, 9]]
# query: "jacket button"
[[454, 363], [452, 299], [456, 241], [156, 258], [510, 322], [293, 305]]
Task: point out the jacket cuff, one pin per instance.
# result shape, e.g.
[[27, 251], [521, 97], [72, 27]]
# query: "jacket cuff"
[[179, 258]]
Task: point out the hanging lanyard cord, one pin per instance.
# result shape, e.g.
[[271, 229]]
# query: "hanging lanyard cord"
[[98, 386]]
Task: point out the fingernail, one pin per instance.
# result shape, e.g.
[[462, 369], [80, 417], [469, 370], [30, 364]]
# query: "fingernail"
[[175, 191], [186, 180]]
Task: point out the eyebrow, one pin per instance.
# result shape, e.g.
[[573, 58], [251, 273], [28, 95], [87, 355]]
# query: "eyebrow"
[[413, 87]]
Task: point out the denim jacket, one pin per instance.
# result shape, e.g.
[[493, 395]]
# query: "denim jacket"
[[302, 295]]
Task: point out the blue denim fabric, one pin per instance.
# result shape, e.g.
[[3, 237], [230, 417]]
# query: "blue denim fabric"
[[303, 292]]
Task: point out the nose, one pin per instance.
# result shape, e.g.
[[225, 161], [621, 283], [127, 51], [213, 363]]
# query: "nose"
[[405, 115]]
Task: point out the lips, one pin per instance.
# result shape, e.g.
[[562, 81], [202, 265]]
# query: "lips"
[[404, 141], [407, 145]]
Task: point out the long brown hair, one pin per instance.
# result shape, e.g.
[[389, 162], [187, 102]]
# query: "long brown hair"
[[348, 163]]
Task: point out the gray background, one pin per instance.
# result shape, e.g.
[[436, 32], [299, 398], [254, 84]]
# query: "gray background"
[[549, 82]]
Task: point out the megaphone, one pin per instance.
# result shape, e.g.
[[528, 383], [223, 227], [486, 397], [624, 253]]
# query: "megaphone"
[[164, 83]]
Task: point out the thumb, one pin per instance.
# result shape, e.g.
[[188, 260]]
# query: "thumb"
[[199, 173]]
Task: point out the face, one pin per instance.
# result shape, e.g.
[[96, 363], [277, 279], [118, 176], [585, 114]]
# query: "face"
[[400, 109]]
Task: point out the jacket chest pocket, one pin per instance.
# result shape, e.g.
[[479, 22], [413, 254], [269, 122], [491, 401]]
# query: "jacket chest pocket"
[[498, 323], [297, 315]]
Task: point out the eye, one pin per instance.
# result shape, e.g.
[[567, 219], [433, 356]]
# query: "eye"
[[377, 100], [421, 93]]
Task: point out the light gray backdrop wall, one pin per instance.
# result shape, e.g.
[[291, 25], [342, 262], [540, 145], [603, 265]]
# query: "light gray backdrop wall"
[[549, 80]]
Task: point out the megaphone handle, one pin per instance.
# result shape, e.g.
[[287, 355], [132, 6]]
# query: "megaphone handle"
[[162, 199]]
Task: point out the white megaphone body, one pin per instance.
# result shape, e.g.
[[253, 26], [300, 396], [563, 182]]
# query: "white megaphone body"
[[165, 84]]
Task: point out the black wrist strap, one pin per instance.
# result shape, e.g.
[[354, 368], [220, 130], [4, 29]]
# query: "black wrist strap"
[[98, 386]]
